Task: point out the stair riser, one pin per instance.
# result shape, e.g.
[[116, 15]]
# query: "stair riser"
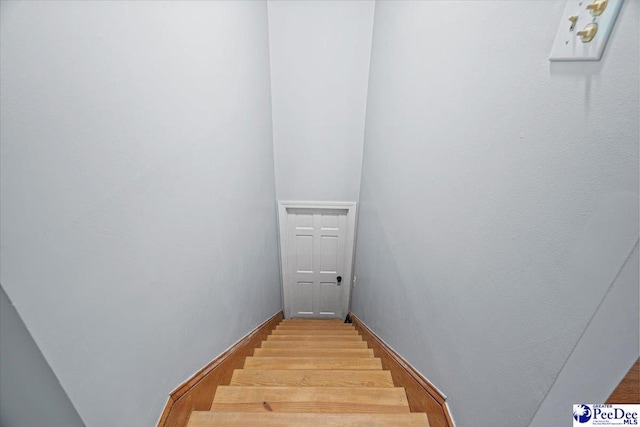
[[315, 332], [314, 338], [311, 363], [324, 326], [311, 399], [311, 378], [314, 344], [310, 408], [312, 352], [275, 419]]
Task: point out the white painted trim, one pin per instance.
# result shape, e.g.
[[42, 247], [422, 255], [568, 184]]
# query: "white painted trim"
[[351, 208], [424, 377], [453, 421], [318, 205]]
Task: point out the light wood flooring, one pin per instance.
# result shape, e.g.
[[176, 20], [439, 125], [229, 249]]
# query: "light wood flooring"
[[310, 373]]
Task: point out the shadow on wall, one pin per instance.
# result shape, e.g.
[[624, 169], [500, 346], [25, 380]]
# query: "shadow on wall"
[[31, 393]]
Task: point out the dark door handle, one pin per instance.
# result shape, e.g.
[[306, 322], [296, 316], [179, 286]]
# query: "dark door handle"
[[339, 279]]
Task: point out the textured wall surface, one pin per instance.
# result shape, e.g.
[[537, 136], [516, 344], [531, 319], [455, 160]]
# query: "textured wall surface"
[[319, 71], [604, 354], [138, 197], [499, 202], [31, 393], [499, 196]]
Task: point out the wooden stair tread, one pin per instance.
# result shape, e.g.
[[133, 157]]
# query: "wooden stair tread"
[[312, 363], [311, 378], [310, 399], [283, 419], [333, 331], [314, 344], [309, 372], [306, 322], [315, 326], [314, 338], [312, 352], [334, 322]]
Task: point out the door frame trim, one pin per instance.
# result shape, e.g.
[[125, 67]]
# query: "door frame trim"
[[351, 208]]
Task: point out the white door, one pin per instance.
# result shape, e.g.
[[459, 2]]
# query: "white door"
[[318, 262]]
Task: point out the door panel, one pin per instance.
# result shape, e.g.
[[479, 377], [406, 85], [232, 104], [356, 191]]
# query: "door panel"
[[329, 300], [328, 254], [304, 221], [304, 253], [303, 296], [329, 221]]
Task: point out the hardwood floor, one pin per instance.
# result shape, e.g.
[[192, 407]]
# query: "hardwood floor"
[[196, 394], [422, 395], [312, 378], [311, 373], [628, 391], [282, 419]]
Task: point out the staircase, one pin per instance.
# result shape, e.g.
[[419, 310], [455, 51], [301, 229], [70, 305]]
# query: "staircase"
[[310, 373]]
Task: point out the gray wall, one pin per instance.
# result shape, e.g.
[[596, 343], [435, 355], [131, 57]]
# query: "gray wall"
[[138, 197], [499, 205], [319, 72], [30, 394], [603, 355]]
